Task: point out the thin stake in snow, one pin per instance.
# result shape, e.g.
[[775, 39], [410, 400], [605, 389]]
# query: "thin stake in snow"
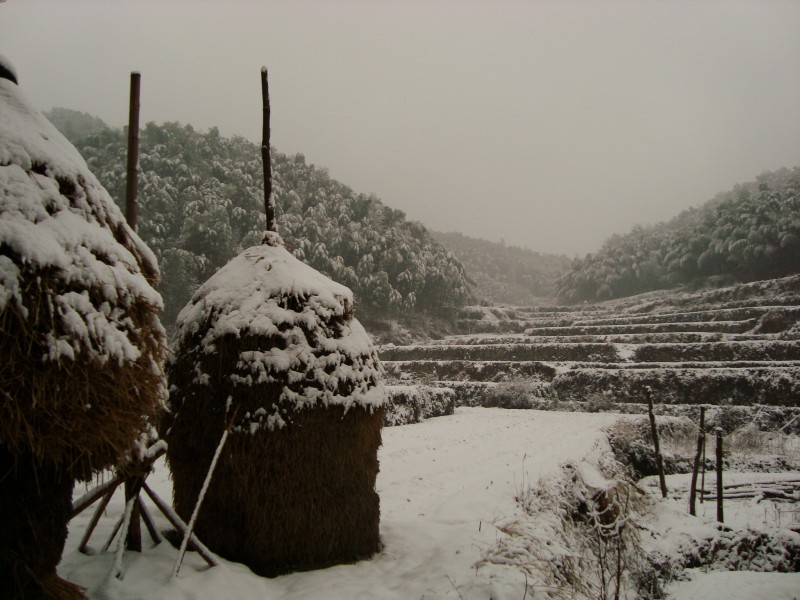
[[269, 202], [654, 433], [116, 569], [131, 185], [789, 423], [187, 534], [178, 524], [703, 469], [701, 436], [720, 514]]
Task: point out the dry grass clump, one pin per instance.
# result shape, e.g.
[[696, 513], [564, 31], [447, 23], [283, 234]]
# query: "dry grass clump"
[[578, 535], [80, 414]]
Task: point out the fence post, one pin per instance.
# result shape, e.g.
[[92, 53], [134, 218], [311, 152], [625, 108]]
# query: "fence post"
[[697, 458], [720, 514], [659, 462]]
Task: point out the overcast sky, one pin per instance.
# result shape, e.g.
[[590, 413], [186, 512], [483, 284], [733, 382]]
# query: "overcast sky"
[[550, 124]]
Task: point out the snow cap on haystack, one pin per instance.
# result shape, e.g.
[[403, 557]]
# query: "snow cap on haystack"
[[318, 354], [81, 342]]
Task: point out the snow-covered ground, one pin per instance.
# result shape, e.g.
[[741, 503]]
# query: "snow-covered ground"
[[443, 484]]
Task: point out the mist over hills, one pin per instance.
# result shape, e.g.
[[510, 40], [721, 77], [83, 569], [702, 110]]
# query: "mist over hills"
[[506, 274]]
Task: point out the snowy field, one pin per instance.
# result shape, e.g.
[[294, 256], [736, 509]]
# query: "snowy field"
[[443, 484]]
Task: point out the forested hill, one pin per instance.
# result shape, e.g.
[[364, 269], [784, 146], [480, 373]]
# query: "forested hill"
[[201, 203], [73, 124], [506, 274], [748, 233]]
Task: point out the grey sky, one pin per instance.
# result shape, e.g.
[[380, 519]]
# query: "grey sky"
[[550, 124]]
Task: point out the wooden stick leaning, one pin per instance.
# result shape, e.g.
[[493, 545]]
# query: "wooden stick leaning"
[[178, 524], [83, 547], [202, 495]]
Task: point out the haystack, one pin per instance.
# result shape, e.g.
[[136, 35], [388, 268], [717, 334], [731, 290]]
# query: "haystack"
[[81, 346], [269, 347]]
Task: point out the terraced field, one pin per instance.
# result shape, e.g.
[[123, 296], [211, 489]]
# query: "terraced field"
[[738, 345]]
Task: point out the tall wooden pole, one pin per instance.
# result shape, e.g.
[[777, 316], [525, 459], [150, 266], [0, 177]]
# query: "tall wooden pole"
[[269, 203], [133, 540], [720, 514], [697, 457], [133, 152], [703, 469], [654, 433]]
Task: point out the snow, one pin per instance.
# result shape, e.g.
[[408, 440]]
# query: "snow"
[[267, 292], [443, 483], [57, 220], [737, 585], [446, 486]]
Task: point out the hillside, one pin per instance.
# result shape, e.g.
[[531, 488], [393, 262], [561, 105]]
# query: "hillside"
[[201, 203], [73, 124], [505, 274], [749, 233]]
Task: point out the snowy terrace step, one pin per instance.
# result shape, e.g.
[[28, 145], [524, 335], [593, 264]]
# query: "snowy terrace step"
[[613, 338], [792, 313], [771, 385], [719, 364], [469, 393], [415, 403], [696, 327], [486, 319], [740, 384], [473, 372], [773, 350], [784, 291], [504, 352], [467, 370], [757, 350]]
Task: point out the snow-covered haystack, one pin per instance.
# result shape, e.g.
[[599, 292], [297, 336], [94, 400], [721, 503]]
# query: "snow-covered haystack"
[[269, 348], [81, 346]]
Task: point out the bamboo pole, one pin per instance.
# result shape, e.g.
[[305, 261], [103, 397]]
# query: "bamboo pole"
[[133, 540], [133, 532], [720, 513], [697, 457], [703, 469], [83, 547], [148, 521], [193, 519], [654, 433], [131, 184], [114, 533], [269, 202], [178, 524], [94, 495]]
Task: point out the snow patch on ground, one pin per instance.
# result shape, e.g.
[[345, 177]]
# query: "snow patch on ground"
[[449, 491]]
